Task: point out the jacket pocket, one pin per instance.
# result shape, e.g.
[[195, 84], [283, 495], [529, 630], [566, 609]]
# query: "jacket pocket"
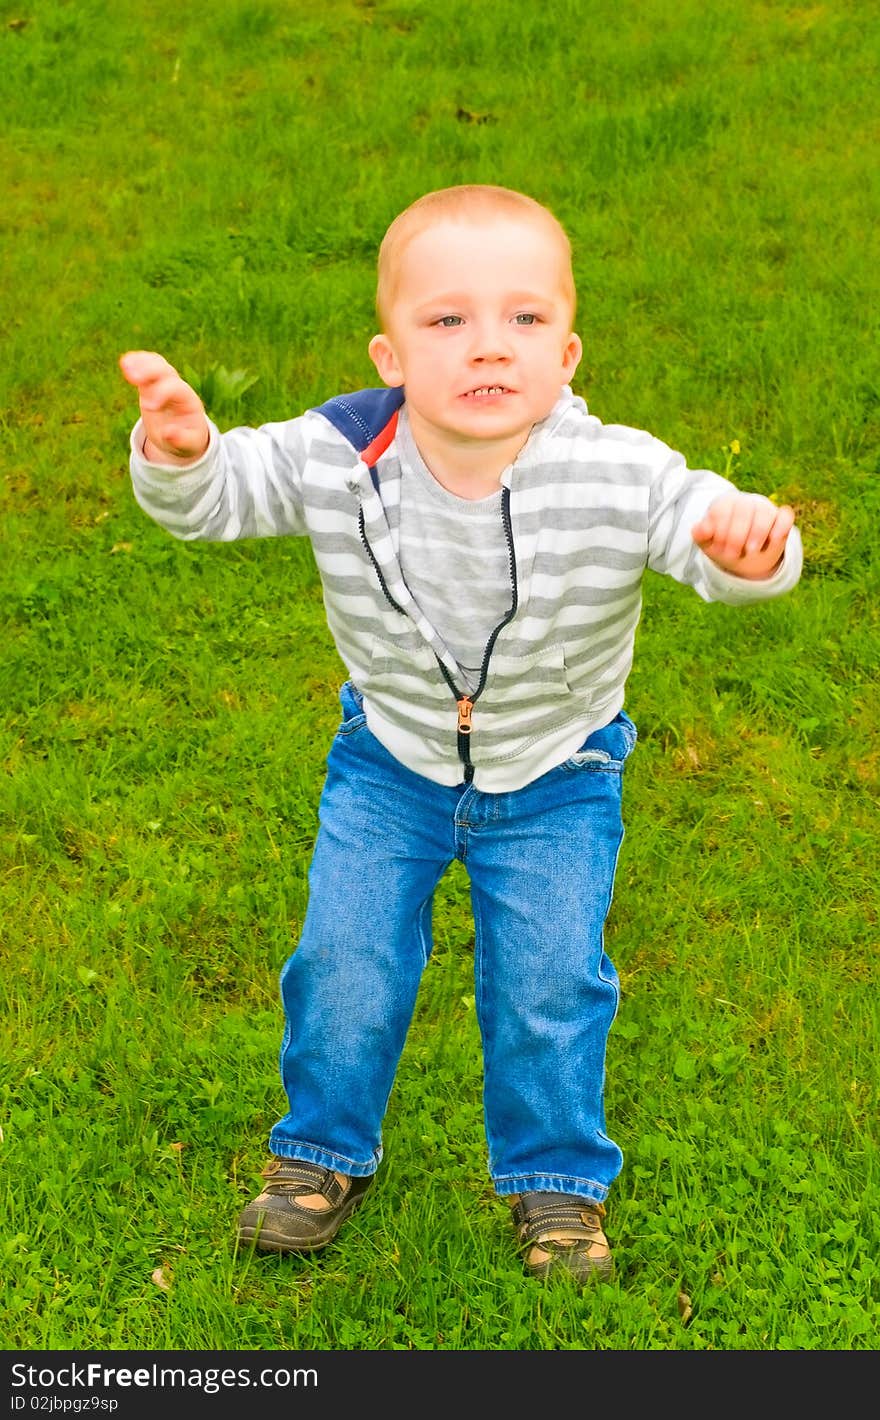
[[401, 670], [539, 680]]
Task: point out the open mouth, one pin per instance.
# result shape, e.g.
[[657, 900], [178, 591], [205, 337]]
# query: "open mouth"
[[484, 391]]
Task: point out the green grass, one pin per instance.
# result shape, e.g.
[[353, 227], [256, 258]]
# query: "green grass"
[[213, 182]]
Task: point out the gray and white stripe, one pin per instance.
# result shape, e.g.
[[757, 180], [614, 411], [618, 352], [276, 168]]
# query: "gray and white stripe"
[[592, 507]]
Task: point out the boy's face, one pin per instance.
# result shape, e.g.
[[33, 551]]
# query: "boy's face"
[[479, 329]]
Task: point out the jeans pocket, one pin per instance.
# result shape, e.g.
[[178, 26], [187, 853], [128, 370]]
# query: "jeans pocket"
[[607, 748], [353, 713]]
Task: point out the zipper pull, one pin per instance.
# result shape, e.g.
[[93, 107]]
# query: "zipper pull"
[[465, 710]]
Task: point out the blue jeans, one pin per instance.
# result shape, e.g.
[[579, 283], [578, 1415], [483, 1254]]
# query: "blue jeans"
[[541, 863]]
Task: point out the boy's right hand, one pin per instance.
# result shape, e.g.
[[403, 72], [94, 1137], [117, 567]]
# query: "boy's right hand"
[[173, 415]]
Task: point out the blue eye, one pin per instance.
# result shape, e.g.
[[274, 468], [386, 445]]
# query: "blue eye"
[[449, 321], [525, 318]]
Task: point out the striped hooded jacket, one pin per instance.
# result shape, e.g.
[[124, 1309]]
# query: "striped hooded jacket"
[[587, 507]]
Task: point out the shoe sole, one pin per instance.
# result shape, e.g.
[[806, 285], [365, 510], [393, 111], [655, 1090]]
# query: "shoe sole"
[[598, 1272], [278, 1242]]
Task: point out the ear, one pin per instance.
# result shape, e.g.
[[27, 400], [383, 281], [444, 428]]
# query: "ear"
[[571, 356], [386, 362]]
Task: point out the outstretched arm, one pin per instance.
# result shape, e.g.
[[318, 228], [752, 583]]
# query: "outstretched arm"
[[172, 413], [744, 533]]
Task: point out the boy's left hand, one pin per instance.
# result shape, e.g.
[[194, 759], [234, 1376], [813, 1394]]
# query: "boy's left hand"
[[745, 534]]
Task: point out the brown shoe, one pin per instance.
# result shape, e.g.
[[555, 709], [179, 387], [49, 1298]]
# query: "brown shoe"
[[563, 1234], [276, 1221]]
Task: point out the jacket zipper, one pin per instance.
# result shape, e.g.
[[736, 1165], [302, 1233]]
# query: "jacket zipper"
[[378, 570], [465, 702]]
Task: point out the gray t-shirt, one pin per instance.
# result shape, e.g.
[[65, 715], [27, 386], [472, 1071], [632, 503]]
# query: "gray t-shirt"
[[454, 558]]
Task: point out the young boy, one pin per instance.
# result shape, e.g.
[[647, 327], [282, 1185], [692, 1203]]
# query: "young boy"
[[481, 540]]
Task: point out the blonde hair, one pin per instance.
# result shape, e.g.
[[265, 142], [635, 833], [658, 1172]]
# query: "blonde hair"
[[466, 202]]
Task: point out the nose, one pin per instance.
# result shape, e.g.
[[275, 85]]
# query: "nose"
[[489, 345]]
